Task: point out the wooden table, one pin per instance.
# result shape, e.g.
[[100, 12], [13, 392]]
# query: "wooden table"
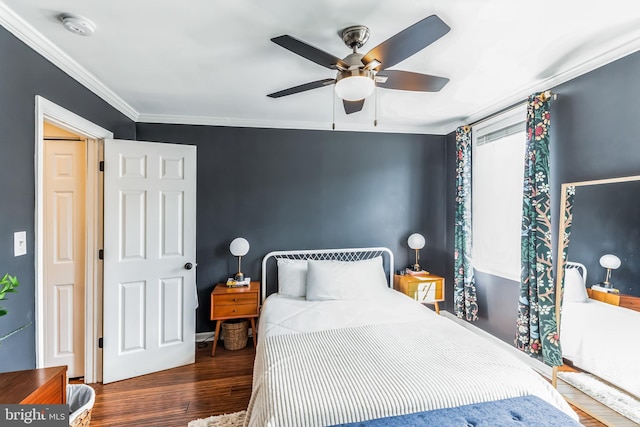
[[34, 386], [234, 303]]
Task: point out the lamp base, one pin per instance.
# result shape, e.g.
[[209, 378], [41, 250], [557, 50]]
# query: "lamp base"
[[239, 276], [606, 285], [416, 267]]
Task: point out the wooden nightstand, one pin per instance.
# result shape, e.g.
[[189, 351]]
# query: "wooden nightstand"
[[609, 298], [425, 288], [234, 303], [622, 300]]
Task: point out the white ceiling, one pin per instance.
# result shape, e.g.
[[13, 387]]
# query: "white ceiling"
[[212, 62]]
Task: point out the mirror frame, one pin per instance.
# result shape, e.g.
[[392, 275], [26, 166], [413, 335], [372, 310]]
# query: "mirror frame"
[[562, 226]]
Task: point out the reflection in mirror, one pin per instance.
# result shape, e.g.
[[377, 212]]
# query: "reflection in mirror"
[[606, 220], [600, 218]]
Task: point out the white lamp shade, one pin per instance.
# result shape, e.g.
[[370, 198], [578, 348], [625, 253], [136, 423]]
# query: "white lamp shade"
[[354, 88], [239, 246], [416, 241], [610, 261]]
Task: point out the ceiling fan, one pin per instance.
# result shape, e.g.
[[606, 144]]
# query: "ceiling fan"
[[358, 74]]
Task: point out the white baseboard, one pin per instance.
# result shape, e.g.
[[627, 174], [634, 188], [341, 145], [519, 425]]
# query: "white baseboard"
[[208, 336], [204, 336], [535, 364]]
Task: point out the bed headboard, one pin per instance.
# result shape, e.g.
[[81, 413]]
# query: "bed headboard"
[[270, 272], [580, 267]]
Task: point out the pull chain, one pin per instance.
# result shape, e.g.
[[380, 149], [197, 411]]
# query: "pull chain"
[[375, 106], [333, 109]]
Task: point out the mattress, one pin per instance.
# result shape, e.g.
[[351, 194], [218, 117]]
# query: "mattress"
[[599, 338], [333, 362]]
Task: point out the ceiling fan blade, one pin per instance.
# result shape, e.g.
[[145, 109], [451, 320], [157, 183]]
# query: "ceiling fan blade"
[[406, 80], [302, 88], [352, 106], [407, 42], [311, 53]]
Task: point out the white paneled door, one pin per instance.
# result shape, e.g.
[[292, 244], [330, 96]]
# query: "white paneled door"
[[149, 257], [64, 254]]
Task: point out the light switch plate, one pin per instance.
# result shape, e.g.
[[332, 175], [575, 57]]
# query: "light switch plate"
[[19, 243]]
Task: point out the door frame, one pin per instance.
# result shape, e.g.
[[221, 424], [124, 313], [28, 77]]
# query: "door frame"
[[53, 113]]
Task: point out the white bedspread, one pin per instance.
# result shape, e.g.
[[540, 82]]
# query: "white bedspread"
[[601, 338], [282, 315], [395, 357]]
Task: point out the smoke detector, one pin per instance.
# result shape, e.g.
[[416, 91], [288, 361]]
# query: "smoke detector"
[[78, 24]]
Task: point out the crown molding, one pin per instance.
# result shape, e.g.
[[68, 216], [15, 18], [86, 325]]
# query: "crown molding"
[[275, 124], [585, 67], [42, 45]]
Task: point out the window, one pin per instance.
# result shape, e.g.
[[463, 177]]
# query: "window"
[[496, 207]]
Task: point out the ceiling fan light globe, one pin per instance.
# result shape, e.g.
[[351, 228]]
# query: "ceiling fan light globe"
[[354, 87]]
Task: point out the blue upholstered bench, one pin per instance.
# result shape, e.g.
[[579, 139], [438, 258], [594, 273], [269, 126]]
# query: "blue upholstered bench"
[[517, 412]]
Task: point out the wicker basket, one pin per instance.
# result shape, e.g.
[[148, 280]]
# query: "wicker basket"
[[80, 398], [82, 420], [235, 334]]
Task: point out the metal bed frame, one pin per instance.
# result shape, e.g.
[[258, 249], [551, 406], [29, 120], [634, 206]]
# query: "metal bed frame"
[[569, 265], [347, 254]]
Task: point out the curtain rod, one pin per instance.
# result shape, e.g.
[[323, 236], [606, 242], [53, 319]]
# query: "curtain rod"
[[547, 94]]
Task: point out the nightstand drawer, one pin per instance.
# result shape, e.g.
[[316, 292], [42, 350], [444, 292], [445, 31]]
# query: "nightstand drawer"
[[425, 291], [235, 310], [236, 298]]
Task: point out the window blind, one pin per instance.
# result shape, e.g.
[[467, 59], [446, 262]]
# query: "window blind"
[[500, 133]]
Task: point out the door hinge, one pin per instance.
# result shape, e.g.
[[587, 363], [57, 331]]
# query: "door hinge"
[[101, 165], [100, 343], [101, 254]]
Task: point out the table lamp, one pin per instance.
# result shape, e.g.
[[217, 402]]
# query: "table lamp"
[[610, 262], [239, 247], [416, 242]]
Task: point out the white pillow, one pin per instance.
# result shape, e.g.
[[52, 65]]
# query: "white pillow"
[[574, 288], [292, 277], [345, 280]]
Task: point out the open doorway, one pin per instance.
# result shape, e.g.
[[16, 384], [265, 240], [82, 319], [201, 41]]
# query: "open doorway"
[[68, 235]]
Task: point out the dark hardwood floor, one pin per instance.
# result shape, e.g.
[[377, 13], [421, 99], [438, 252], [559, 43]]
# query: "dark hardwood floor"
[[211, 386]]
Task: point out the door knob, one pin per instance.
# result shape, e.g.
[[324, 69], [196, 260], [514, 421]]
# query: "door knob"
[[188, 266]]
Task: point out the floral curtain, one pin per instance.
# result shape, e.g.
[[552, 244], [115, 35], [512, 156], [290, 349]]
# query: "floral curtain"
[[464, 294], [537, 331]]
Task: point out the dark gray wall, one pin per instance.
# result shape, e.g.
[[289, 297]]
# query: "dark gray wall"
[[23, 75], [293, 189], [593, 136]]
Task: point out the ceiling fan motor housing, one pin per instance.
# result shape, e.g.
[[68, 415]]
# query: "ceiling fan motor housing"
[[355, 36]]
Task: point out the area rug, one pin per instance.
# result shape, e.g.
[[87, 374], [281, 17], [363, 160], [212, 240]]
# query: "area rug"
[[235, 419], [620, 402]]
